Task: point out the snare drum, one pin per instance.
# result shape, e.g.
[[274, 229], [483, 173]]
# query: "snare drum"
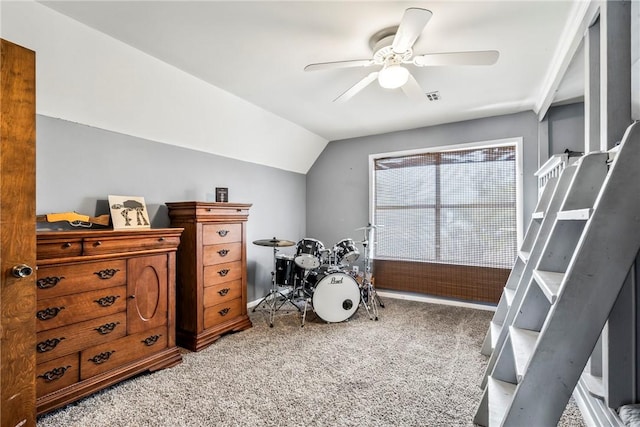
[[336, 296], [285, 272], [346, 251], [308, 253]]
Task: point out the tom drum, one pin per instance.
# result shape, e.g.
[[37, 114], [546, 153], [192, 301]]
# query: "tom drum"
[[346, 251], [308, 253]]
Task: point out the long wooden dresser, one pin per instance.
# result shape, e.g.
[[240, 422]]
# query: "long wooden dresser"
[[211, 271], [105, 309]]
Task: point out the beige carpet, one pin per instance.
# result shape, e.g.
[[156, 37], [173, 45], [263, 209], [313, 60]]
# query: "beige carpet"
[[419, 365]]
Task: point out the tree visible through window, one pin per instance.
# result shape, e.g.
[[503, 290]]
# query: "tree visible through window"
[[451, 207]]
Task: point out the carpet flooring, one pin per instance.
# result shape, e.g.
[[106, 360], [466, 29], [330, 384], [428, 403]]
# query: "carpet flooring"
[[419, 365]]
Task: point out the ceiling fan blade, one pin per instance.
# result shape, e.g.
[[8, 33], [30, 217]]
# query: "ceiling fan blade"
[[481, 57], [412, 24], [339, 64], [413, 90], [349, 93]]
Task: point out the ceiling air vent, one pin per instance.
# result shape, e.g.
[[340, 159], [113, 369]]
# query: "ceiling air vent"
[[433, 96]]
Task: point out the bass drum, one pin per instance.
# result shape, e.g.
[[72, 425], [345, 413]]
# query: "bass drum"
[[336, 296]]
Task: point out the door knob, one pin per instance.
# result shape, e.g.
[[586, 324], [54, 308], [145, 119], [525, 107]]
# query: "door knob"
[[21, 270]]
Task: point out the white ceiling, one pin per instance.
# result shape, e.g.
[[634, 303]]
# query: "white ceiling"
[[257, 50]]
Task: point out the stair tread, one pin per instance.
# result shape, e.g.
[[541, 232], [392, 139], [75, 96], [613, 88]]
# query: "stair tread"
[[495, 329], [500, 396], [575, 214], [523, 342], [594, 385], [549, 282], [509, 294], [538, 215]]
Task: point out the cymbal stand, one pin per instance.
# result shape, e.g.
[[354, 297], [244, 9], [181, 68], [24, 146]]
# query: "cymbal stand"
[[271, 299], [368, 294]]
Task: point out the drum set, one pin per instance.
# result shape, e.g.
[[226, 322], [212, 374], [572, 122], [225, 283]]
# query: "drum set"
[[323, 278]]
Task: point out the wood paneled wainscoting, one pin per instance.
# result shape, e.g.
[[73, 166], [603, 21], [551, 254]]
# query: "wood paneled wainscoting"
[[464, 282]]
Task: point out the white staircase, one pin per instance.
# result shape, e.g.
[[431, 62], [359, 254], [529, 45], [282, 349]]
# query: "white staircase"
[[581, 242]]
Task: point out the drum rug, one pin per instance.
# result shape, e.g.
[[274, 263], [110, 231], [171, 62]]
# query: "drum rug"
[[419, 365]]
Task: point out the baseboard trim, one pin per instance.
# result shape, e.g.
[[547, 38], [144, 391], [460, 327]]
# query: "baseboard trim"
[[417, 297]]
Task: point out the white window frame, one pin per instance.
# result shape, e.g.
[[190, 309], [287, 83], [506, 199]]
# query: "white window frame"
[[514, 141]]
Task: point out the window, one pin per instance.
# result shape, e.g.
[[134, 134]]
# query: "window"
[[449, 206]]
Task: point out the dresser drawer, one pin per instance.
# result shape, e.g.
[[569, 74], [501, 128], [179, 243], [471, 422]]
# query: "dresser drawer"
[[62, 311], [213, 234], [220, 313], [59, 248], [223, 252], [70, 279], [109, 245], [104, 357], [228, 211], [65, 340], [56, 374], [221, 273], [222, 292]]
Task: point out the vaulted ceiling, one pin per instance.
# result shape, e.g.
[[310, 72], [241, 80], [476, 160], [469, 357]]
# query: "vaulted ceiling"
[[258, 50]]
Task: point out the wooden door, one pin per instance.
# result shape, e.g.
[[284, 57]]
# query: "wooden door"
[[17, 236], [147, 292]]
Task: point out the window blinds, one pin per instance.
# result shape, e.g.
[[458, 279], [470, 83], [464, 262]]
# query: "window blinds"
[[452, 207]]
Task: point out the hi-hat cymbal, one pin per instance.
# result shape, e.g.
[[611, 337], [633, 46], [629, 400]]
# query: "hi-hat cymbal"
[[370, 226], [273, 242]]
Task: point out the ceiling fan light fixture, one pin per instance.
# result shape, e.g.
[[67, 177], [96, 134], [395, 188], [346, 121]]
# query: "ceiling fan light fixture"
[[393, 76]]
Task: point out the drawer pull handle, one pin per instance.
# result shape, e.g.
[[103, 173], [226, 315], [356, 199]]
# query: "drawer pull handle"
[[161, 239], [224, 311], [106, 301], [107, 328], [224, 291], [54, 374], [107, 273], [49, 313], [223, 252], [48, 282], [149, 341], [98, 243], [223, 233], [48, 345], [66, 245], [224, 272], [102, 357]]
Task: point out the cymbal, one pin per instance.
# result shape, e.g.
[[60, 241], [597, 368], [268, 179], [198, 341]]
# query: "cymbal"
[[273, 242], [370, 226]]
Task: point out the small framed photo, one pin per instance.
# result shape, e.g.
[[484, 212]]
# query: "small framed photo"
[[128, 212], [222, 194]]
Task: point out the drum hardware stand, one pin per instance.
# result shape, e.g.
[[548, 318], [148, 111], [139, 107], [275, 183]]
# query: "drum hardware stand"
[[368, 294], [306, 295], [271, 299]]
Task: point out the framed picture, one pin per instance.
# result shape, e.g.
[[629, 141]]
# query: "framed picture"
[[222, 194], [128, 212]]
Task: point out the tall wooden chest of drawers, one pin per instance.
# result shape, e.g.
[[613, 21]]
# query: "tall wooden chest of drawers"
[[105, 310], [211, 271]]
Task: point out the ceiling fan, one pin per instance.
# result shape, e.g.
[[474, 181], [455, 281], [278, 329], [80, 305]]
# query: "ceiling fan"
[[392, 49]]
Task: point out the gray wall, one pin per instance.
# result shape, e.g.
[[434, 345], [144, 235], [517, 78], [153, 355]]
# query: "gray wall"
[[79, 166], [566, 128], [338, 182]]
